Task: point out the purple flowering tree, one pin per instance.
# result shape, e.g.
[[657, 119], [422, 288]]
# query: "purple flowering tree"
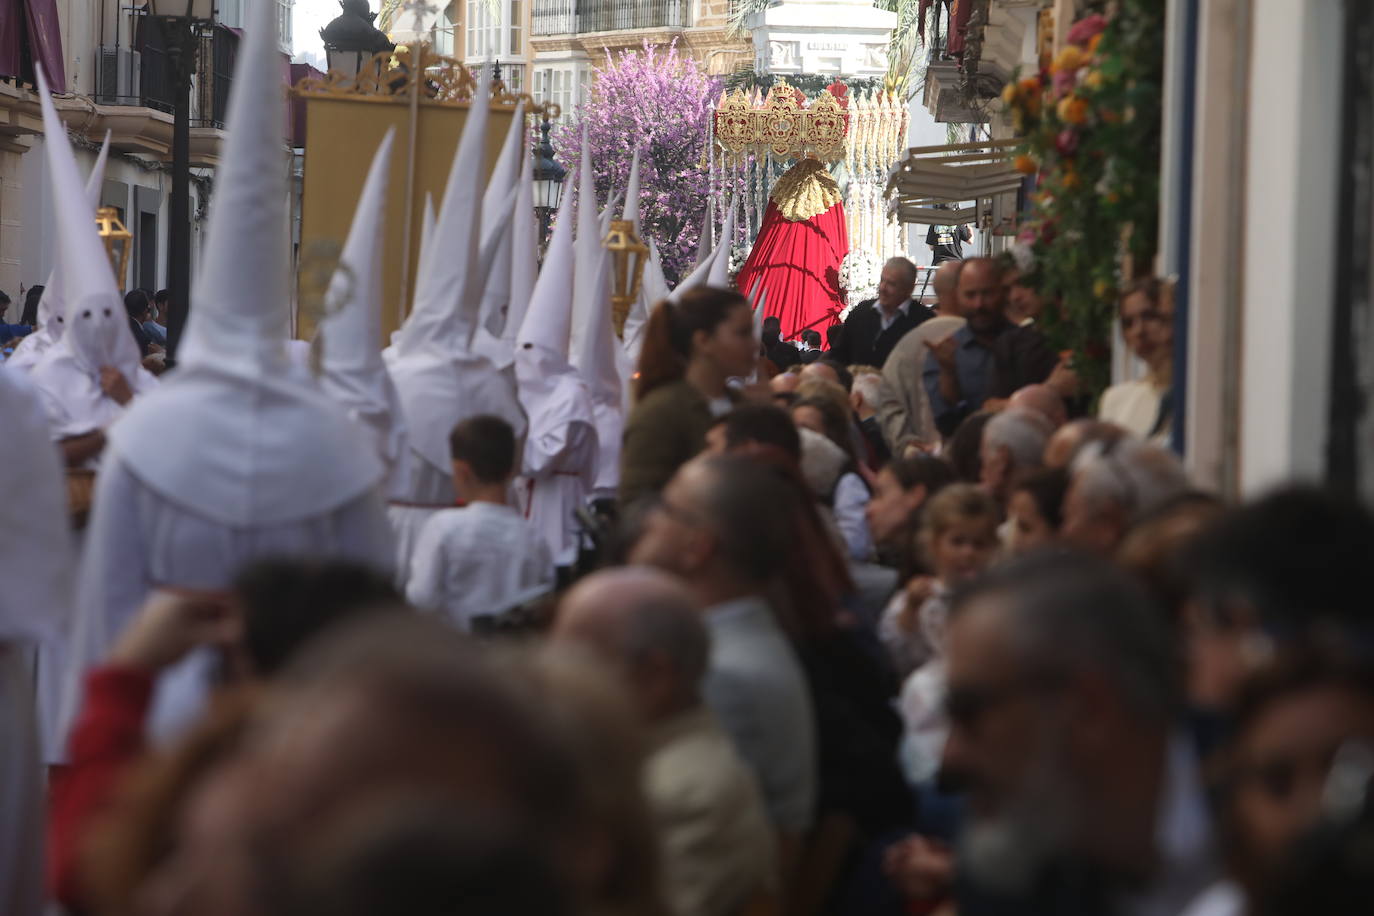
[[658, 100]]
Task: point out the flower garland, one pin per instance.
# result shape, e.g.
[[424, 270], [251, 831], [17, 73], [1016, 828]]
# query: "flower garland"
[[1090, 130], [859, 275]]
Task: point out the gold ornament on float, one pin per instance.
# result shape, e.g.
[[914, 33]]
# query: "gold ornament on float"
[[781, 125]]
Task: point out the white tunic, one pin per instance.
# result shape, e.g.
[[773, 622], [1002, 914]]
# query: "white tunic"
[[481, 559], [418, 495], [560, 463], [35, 566], [138, 540]]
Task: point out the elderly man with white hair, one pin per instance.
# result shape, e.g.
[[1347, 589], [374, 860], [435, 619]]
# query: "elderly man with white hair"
[[1013, 446], [1116, 485], [875, 326]]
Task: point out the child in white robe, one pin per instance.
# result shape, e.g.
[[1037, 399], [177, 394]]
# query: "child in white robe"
[[482, 559]]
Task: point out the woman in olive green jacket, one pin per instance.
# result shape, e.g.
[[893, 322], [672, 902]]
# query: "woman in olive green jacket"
[[691, 347]]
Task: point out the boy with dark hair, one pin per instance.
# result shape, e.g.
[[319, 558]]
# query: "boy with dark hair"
[[482, 559]]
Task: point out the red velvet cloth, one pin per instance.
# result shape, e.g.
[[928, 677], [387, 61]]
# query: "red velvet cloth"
[[799, 267]]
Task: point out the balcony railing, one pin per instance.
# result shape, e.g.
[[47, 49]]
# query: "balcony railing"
[[564, 17], [137, 73]]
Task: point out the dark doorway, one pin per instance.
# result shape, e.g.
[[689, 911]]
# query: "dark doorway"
[[146, 242]]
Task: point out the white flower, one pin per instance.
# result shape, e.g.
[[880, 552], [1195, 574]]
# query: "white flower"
[[859, 275], [739, 253]]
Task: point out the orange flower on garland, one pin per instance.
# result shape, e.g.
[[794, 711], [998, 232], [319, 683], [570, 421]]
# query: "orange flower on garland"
[[1073, 110]]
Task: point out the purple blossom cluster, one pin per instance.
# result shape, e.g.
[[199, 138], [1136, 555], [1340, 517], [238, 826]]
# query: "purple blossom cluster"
[[659, 101]]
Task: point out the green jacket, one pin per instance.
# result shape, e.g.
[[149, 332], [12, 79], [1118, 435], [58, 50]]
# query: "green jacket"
[[666, 430]]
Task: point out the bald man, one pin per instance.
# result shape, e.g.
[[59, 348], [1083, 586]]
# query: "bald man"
[[716, 527], [718, 848], [1070, 438], [1041, 399]]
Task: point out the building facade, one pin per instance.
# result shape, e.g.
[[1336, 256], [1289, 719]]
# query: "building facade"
[[568, 38], [108, 66]]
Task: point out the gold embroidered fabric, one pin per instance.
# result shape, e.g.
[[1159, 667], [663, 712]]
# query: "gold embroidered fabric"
[[805, 190]]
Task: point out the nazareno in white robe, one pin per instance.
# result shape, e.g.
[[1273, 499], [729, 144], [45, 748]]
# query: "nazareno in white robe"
[[35, 565], [139, 540], [559, 463]]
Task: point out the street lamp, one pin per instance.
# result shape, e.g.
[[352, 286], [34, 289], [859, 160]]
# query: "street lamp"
[[548, 181], [118, 241], [180, 21], [351, 40], [628, 254]]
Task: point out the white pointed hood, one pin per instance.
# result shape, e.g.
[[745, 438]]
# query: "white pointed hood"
[[652, 290], [498, 208], [97, 326], [51, 321], [719, 275], [596, 349], [542, 345], [238, 434], [354, 374], [97, 333], [704, 244], [505, 174], [561, 451], [608, 213], [524, 262], [447, 283], [239, 318], [439, 379], [427, 227]]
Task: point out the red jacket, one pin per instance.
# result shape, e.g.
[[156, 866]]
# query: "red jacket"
[[107, 737]]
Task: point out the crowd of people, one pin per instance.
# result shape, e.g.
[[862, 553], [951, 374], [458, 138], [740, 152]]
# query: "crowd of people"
[[898, 625]]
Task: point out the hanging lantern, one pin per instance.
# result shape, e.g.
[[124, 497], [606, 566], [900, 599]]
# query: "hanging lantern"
[[628, 253], [118, 242]]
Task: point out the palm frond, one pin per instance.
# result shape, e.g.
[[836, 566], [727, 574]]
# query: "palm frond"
[[734, 26]]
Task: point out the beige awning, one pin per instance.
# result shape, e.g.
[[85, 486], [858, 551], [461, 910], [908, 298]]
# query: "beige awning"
[[951, 174]]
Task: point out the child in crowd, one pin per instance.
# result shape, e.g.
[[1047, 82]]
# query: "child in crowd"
[[482, 559], [959, 538], [1035, 510]]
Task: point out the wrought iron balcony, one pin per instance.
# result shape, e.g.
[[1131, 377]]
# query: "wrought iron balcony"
[[566, 17]]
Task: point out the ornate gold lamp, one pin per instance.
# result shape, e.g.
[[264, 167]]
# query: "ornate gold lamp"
[[628, 253], [118, 242]]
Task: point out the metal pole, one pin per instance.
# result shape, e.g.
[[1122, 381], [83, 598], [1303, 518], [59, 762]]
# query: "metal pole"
[[181, 54]]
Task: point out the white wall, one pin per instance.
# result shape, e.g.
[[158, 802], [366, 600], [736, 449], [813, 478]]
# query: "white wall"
[[1290, 224]]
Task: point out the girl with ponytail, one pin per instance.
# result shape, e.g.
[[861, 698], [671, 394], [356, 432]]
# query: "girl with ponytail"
[[691, 347]]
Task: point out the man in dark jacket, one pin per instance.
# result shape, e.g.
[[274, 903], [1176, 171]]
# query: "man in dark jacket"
[[875, 325]]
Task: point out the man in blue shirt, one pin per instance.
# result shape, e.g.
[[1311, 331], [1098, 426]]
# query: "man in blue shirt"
[[9, 332], [960, 370]]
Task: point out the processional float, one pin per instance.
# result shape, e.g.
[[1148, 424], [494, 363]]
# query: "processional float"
[[814, 180]]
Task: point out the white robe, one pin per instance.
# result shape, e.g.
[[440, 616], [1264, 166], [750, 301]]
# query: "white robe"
[[139, 540], [35, 565], [417, 495], [559, 463], [29, 351], [73, 399]]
